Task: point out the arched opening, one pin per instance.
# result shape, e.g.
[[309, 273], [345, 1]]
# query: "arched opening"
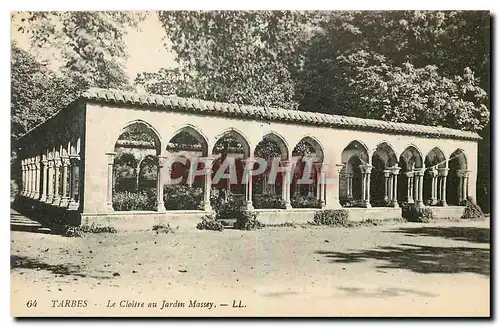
[[457, 165], [410, 161], [229, 153], [353, 156], [184, 189], [383, 158], [305, 187], [268, 190], [136, 153], [434, 160]]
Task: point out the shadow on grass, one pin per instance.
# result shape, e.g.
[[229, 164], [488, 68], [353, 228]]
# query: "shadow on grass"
[[20, 262], [469, 234], [420, 259]]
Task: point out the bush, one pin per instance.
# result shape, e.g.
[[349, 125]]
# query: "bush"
[[129, 201], [182, 197], [247, 221], [305, 202], [209, 222], [79, 231], [14, 189], [417, 214], [331, 217], [162, 228], [268, 201], [472, 210]]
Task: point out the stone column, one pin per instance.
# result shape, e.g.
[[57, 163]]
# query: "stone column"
[[466, 185], [433, 173], [74, 182], [37, 178], [443, 173], [286, 184], [23, 178], [366, 173], [50, 181], [420, 187], [387, 186], [57, 175], [349, 186], [317, 170], [394, 186], [208, 184], [30, 179], [248, 204], [111, 160], [409, 176], [43, 197], [65, 165], [159, 186]]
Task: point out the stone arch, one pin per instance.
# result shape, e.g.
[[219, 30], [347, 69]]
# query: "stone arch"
[[280, 141], [435, 158], [195, 133], [457, 164], [236, 134], [353, 156], [409, 160], [383, 157], [315, 145], [147, 128]]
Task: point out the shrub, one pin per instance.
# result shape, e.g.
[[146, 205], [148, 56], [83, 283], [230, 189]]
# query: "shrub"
[[417, 214], [209, 222], [472, 210], [162, 228], [129, 201], [268, 201], [14, 189], [182, 197], [79, 231], [247, 221], [331, 217], [305, 202]]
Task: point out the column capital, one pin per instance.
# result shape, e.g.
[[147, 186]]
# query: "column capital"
[[111, 157], [409, 174], [57, 162], [367, 169], [433, 171], [420, 172], [207, 162], [44, 161], [387, 173], [395, 170], [443, 171], [65, 161], [463, 173]]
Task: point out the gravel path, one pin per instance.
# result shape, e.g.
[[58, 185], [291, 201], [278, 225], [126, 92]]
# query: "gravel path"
[[437, 269]]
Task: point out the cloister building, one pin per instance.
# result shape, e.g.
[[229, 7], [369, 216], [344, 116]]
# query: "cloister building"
[[71, 162]]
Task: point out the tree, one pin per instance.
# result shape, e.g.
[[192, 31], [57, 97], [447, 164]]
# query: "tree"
[[238, 56]]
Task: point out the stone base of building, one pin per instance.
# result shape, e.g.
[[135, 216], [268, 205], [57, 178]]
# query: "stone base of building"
[[454, 212], [281, 216], [374, 213]]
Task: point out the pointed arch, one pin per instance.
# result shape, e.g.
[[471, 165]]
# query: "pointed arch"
[[459, 156], [412, 157], [195, 133], [280, 141], [148, 128], [238, 135], [385, 151], [355, 148], [316, 145], [435, 158]]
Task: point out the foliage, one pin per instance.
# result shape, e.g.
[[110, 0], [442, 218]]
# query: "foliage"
[[417, 214], [247, 220], [79, 231], [237, 56], [472, 210], [209, 222], [268, 201], [331, 217], [130, 201], [305, 202], [14, 189], [182, 197], [163, 228]]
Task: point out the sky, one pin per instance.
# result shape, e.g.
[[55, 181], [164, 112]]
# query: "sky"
[[146, 47]]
